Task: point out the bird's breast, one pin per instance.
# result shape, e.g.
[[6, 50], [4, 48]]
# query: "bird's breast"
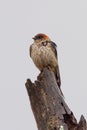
[[43, 56]]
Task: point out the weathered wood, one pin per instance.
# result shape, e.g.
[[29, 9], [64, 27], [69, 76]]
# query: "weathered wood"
[[82, 124], [49, 108]]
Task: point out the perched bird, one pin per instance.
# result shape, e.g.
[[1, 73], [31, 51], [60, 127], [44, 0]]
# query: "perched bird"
[[44, 54]]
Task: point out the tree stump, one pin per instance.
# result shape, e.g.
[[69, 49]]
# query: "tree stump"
[[48, 105]]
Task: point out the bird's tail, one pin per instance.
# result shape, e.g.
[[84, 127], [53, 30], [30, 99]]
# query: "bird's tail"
[[58, 79]]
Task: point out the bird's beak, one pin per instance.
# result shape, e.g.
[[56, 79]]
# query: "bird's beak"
[[33, 38]]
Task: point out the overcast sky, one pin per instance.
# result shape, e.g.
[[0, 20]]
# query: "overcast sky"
[[65, 22]]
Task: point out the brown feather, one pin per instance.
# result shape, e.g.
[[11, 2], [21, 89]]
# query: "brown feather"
[[44, 54]]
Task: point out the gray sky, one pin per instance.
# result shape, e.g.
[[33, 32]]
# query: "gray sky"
[[66, 23]]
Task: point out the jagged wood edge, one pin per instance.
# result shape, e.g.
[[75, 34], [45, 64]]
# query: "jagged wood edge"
[[45, 82]]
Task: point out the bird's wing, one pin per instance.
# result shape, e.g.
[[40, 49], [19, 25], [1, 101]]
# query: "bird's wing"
[[53, 47]]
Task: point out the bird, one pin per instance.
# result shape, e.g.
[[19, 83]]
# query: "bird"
[[43, 52]]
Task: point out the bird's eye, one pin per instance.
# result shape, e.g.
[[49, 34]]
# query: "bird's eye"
[[39, 37]]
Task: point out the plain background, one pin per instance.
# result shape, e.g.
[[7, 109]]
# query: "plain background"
[[65, 21]]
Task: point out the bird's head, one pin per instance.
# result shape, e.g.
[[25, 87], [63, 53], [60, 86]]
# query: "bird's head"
[[41, 38]]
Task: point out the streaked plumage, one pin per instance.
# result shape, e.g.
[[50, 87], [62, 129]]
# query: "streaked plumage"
[[44, 54]]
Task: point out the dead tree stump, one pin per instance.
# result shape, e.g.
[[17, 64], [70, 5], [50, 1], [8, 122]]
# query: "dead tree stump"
[[48, 106]]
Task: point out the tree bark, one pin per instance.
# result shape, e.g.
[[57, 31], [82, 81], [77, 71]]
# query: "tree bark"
[[48, 105]]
